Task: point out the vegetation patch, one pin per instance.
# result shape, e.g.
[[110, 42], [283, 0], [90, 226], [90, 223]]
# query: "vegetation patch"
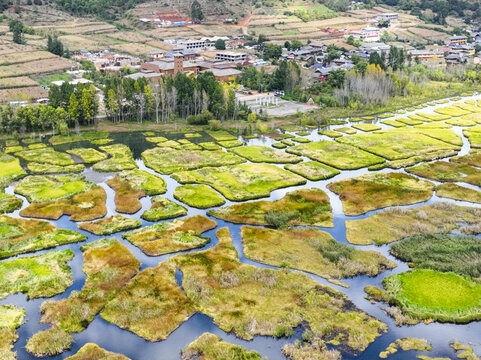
[[409, 121], [461, 122], [312, 170], [49, 342], [199, 196], [279, 145], [452, 111], [9, 203], [53, 197], [257, 153], [131, 185], [433, 117], [13, 149], [330, 133], [242, 182], [211, 347], [11, 170], [398, 144], [163, 208], [311, 250], [399, 223], [43, 275], [11, 317], [300, 207], [366, 127], [109, 266], [47, 155], [406, 344], [168, 160], [209, 146], [393, 123], [398, 164], [301, 140], [341, 156], [221, 135], [48, 169], [168, 237], [445, 171], [456, 192], [472, 158], [464, 351], [474, 136], [101, 141], [446, 253], [94, 352], [121, 159], [18, 236], [157, 139], [110, 225], [378, 190], [88, 155], [87, 135], [426, 294], [241, 298], [230, 143]]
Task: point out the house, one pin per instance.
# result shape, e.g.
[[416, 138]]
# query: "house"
[[456, 40], [224, 75], [368, 34], [169, 66], [232, 56], [454, 59], [378, 47], [427, 55], [391, 17], [155, 54]]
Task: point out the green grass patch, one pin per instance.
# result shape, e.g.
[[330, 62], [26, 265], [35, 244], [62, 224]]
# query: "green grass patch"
[[433, 125], [330, 133], [452, 111], [405, 344], [461, 122], [241, 182], [399, 223], [168, 160], [101, 141], [11, 317], [299, 207], [366, 127], [287, 142], [109, 266], [301, 140], [393, 123], [157, 139], [168, 237], [312, 170], [445, 171], [9, 203], [43, 275], [433, 117], [11, 170], [338, 155], [221, 135], [259, 154], [210, 146], [230, 143], [47, 156], [474, 136], [18, 236], [409, 121], [43, 188], [378, 190], [279, 145], [49, 169], [88, 155], [87, 135], [162, 209], [346, 130], [472, 158], [13, 149], [213, 348], [432, 295], [192, 135], [110, 225], [311, 250], [445, 253], [398, 144], [198, 196], [120, 159]]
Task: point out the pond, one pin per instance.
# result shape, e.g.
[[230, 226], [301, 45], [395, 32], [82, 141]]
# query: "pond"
[[113, 338]]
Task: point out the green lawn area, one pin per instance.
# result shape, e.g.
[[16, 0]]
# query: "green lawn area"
[[338, 155], [241, 182]]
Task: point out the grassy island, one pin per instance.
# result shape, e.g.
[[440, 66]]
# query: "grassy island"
[[378, 190], [163, 208], [312, 170], [110, 225], [88, 155], [199, 196], [259, 154], [11, 317], [120, 159], [94, 352]]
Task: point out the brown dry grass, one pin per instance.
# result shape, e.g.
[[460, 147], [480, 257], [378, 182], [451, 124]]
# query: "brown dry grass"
[[17, 82], [30, 92], [126, 197]]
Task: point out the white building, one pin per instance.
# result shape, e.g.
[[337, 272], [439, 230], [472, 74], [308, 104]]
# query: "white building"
[[231, 56], [391, 17]]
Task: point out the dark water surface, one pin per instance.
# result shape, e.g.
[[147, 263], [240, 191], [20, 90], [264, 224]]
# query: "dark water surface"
[[121, 341]]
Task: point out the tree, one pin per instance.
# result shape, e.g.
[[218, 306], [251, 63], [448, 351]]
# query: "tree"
[[55, 46], [272, 51], [296, 44], [287, 45], [87, 106], [220, 44], [16, 27], [73, 109], [196, 12], [336, 78], [112, 105]]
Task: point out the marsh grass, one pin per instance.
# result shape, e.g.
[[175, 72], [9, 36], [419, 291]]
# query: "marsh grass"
[[311, 250], [474, 136], [399, 223], [172, 236], [330, 133], [209, 146], [445, 171], [48, 156], [168, 160], [230, 143], [304, 207], [11, 170], [340, 156], [109, 266], [88, 155], [163, 208], [241, 182], [46, 169], [378, 190], [211, 347], [11, 317], [472, 158], [456, 192], [110, 225], [260, 154], [19, 236], [132, 185], [198, 196], [312, 170], [43, 275], [9, 203], [406, 344], [366, 127], [120, 159]]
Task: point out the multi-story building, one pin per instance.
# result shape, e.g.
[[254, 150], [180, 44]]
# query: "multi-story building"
[[232, 56], [391, 17]]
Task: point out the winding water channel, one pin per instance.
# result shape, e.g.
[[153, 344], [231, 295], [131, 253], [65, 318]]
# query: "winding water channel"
[[121, 341]]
